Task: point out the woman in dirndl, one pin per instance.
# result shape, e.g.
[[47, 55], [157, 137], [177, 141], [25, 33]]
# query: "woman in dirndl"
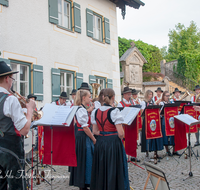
[[167, 140], [80, 176], [149, 145], [109, 168]]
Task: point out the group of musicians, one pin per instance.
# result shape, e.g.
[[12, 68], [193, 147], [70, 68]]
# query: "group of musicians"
[[101, 157]]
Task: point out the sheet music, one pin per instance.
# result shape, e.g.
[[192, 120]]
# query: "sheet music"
[[129, 114], [187, 119], [61, 115]]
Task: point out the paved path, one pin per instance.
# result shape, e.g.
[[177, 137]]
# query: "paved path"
[[137, 176]]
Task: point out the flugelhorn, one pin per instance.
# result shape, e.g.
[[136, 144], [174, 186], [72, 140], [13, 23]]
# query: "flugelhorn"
[[36, 114], [95, 87], [185, 95]]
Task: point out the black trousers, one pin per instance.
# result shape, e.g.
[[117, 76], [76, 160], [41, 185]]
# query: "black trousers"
[[12, 175]]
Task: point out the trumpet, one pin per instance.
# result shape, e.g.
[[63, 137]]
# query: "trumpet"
[[185, 95], [36, 114], [197, 100]]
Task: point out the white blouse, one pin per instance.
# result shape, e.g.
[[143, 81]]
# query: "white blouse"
[[115, 115], [97, 104], [82, 117]]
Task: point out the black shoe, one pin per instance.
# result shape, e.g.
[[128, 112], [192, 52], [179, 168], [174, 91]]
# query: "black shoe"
[[196, 143], [176, 154], [169, 153], [133, 159]]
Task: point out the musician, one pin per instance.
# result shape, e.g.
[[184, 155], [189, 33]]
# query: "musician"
[[73, 94], [80, 176], [150, 144], [99, 102], [126, 101], [62, 100], [135, 99], [167, 140], [193, 100], [158, 97], [177, 94], [13, 124], [109, 168]]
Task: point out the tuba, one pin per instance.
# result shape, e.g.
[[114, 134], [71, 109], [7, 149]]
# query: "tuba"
[[186, 94], [197, 100], [95, 87]]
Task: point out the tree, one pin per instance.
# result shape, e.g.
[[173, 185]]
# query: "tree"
[[151, 53]]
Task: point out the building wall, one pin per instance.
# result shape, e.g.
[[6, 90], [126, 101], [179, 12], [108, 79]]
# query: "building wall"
[[26, 35]]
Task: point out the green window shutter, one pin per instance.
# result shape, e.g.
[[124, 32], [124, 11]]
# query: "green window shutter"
[[55, 80], [79, 80], [92, 79], [109, 83], [89, 20], [77, 17], [6, 60], [107, 30], [38, 81], [53, 11], [4, 2]]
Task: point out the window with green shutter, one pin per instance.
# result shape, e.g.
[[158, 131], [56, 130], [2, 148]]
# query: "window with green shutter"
[[55, 82], [4, 2], [107, 30], [79, 80], [38, 81], [53, 11], [77, 17], [109, 83], [89, 24]]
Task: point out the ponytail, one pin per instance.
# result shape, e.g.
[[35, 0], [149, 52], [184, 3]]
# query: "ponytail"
[[79, 96], [108, 94]]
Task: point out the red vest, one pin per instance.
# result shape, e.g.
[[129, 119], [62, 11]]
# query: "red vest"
[[124, 104], [103, 123], [57, 103], [194, 98], [79, 125]]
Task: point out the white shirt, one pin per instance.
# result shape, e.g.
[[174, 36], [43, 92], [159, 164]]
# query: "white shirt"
[[157, 98], [125, 101], [134, 100], [172, 100], [192, 99], [97, 104], [82, 117], [69, 103], [13, 109], [115, 115]]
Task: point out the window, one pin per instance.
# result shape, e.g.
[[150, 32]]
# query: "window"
[[64, 14], [100, 81], [21, 83], [66, 82], [97, 27]]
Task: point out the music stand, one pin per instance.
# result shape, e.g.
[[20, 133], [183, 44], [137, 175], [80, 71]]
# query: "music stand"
[[182, 103], [143, 115], [176, 104], [189, 147]]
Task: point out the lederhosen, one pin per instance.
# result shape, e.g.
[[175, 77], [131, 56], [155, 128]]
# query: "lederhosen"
[[107, 173], [11, 151], [80, 176]]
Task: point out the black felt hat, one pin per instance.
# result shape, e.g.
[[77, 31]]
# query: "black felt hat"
[[73, 92], [126, 90], [5, 69], [134, 92], [32, 96], [159, 89], [84, 86], [176, 90], [197, 87], [63, 95]]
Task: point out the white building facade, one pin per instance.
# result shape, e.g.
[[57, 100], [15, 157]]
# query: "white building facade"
[[58, 44]]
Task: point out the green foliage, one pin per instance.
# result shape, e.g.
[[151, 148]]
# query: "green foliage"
[[151, 53]]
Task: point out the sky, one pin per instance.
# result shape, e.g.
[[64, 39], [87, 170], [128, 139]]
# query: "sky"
[[151, 23]]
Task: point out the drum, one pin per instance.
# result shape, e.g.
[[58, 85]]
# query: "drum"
[[28, 141]]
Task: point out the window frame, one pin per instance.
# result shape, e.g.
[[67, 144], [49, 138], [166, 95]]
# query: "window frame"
[[101, 17], [71, 24], [73, 80], [29, 72], [104, 80]]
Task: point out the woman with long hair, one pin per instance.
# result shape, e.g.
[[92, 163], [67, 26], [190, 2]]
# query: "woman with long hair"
[[99, 101], [109, 168], [80, 176], [150, 144], [167, 140]]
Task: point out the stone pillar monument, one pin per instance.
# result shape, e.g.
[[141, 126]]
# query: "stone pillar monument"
[[132, 62]]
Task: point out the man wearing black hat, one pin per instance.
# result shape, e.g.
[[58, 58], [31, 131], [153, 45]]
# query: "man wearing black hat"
[[157, 99], [13, 124], [135, 99], [73, 94], [126, 101], [62, 100], [177, 94], [193, 100]]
